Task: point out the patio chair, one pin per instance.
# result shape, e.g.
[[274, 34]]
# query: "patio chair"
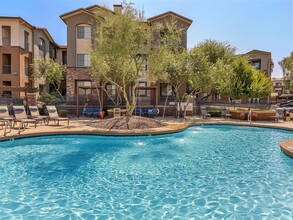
[[54, 116], [225, 113], [4, 114], [280, 114], [22, 118], [36, 115], [204, 113], [4, 125]]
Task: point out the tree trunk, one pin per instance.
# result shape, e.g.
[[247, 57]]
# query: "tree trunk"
[[57, 87]]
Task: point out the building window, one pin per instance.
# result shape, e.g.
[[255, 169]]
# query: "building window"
[[6, 94], [41, 89], [26, 40], [142, 92], [83, 60], [6, 36], [64, 57], [256, 64], [6, 83], [42, 47], [6, 59], [111, 90], [83, 32], [52, 51], [80, 83], [26, 66], [166, 89]]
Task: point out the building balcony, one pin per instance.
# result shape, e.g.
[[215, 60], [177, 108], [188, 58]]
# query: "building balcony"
[[26, 71], [6, 69], [6, 41], [26, 46]]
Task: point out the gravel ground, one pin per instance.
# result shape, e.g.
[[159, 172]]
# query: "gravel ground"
[[119, 123]]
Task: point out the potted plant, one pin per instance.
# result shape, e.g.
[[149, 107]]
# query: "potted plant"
[[101, 114]]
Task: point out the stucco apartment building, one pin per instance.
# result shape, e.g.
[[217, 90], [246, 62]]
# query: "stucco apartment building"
[[80, 25], [16, 49], [20, 43], [261, 60]]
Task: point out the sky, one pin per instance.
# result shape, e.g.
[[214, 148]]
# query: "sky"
[[245, 24]]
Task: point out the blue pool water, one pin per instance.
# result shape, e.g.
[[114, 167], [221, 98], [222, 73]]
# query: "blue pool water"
[[208, 172]]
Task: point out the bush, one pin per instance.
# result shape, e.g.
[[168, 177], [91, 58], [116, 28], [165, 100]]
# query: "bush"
[[63, 113], [215, 113], [50, 98]]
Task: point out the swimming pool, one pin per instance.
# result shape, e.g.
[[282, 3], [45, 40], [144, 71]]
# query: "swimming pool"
[[206, 172]]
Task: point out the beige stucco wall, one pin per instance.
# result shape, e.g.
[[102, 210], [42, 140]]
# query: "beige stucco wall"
[[17, 76], [265, 60], [72, 22], [23, 28], [14, 31], [38, 33], [59, 54]]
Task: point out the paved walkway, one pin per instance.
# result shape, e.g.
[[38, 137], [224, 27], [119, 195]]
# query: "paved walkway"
[[80, 126]]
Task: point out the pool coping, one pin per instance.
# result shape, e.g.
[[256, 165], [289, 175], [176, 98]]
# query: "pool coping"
[[286, 146]]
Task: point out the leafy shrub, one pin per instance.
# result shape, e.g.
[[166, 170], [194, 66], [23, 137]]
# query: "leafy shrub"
[[63, 113], [215, 113], [50, 98]]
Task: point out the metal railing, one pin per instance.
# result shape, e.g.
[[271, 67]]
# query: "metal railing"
[[26, 71], [6, 41], [6, 69], [26, 45]]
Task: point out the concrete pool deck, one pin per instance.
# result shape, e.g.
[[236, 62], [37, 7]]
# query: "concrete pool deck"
[[80, 126]]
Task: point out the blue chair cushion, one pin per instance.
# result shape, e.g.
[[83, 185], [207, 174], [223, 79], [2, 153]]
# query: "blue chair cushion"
[[145, 111], [91, 111]]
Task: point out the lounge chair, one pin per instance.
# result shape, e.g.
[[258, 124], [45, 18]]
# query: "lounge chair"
[[4, 124], [280, 114], [36, 115], [224, 113], [4, 115], [54, 116], [22, 118], [204, 113]]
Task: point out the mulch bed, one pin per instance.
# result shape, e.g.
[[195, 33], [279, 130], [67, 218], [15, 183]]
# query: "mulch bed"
[[122, 123]]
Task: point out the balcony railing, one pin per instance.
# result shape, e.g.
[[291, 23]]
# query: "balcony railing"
[[26, 71], [6, 69], [26, 45], [6, 41]]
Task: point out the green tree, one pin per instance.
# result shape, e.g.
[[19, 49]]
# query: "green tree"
[[211, 64], [119, 51], [247, 82], [168, 60], [51, 70], [261, 85], [287, 68]]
